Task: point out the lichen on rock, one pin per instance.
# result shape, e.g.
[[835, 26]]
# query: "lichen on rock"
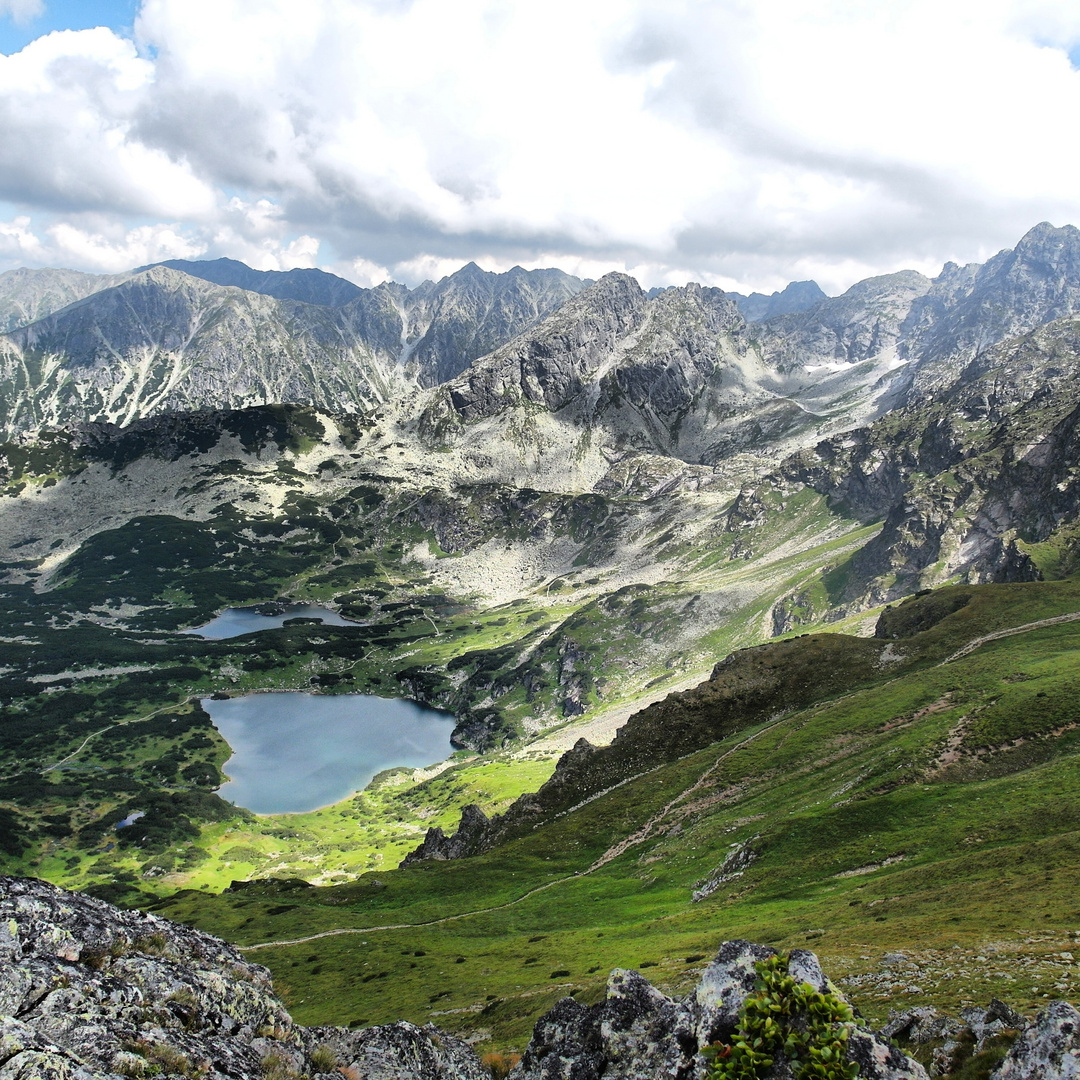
[[89, 992]]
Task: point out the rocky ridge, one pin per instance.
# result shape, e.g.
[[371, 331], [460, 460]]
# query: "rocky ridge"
[[89, 992], [614, 377], [796, 296], [525, 375]]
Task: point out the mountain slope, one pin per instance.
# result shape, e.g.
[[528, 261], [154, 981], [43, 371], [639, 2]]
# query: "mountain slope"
[[925, 809], [29, 295], [165, 341]]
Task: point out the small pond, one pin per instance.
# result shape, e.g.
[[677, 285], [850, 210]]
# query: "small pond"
[[296, 752], [238, 620]]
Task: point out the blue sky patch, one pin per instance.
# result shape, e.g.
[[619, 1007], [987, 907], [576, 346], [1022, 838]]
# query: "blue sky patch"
[[118, 15]]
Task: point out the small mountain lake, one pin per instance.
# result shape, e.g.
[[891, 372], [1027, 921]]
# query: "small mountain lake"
[[295, 752], [233, 622]]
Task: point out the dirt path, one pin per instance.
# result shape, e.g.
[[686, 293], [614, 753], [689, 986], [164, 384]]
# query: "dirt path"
[[1012, 631], [75, 753], [613, 852], [101, 731]]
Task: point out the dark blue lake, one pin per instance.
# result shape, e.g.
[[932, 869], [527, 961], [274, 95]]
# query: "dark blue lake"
[[296, 752], [236, 621]]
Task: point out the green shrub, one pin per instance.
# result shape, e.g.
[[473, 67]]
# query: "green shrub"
[[784, 1017]]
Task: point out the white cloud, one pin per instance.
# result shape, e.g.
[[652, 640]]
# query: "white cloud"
[[22, 11], [723, 140], [67, 104], [362, 272], [18, 242]]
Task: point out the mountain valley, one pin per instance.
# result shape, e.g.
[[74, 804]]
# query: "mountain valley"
[[800, 570]]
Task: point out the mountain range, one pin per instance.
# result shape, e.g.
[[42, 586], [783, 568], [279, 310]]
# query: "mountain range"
[[681, 373]]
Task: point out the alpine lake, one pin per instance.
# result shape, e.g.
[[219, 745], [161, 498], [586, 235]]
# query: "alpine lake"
[[295, 752]]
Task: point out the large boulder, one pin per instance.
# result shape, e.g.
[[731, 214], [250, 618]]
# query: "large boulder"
[[1049, 1049]]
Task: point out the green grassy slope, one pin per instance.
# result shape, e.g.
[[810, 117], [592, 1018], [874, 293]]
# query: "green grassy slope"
[[931, 809]]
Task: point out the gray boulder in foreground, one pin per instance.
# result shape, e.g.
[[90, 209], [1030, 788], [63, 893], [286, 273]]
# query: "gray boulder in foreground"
[[639, 1033], [1049, 1049], [89, 992]]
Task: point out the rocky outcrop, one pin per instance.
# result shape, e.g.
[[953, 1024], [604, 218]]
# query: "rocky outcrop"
[[639, 1033], [88, 992], [471, 838], [1049, 1049]]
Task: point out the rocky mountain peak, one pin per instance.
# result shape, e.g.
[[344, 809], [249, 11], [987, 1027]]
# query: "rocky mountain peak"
[[971, 308], [796, 296], [469, 271], [1044, 253], [860, 324]]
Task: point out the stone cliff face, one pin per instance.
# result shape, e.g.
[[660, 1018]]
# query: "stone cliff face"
[[88, 992], [864, 322], [935, 327], [471, 313], [679, 373], [970, 309], [964, 482]]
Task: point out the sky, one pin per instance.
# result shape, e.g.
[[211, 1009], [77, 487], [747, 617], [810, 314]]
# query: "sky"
[[738, 143]]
